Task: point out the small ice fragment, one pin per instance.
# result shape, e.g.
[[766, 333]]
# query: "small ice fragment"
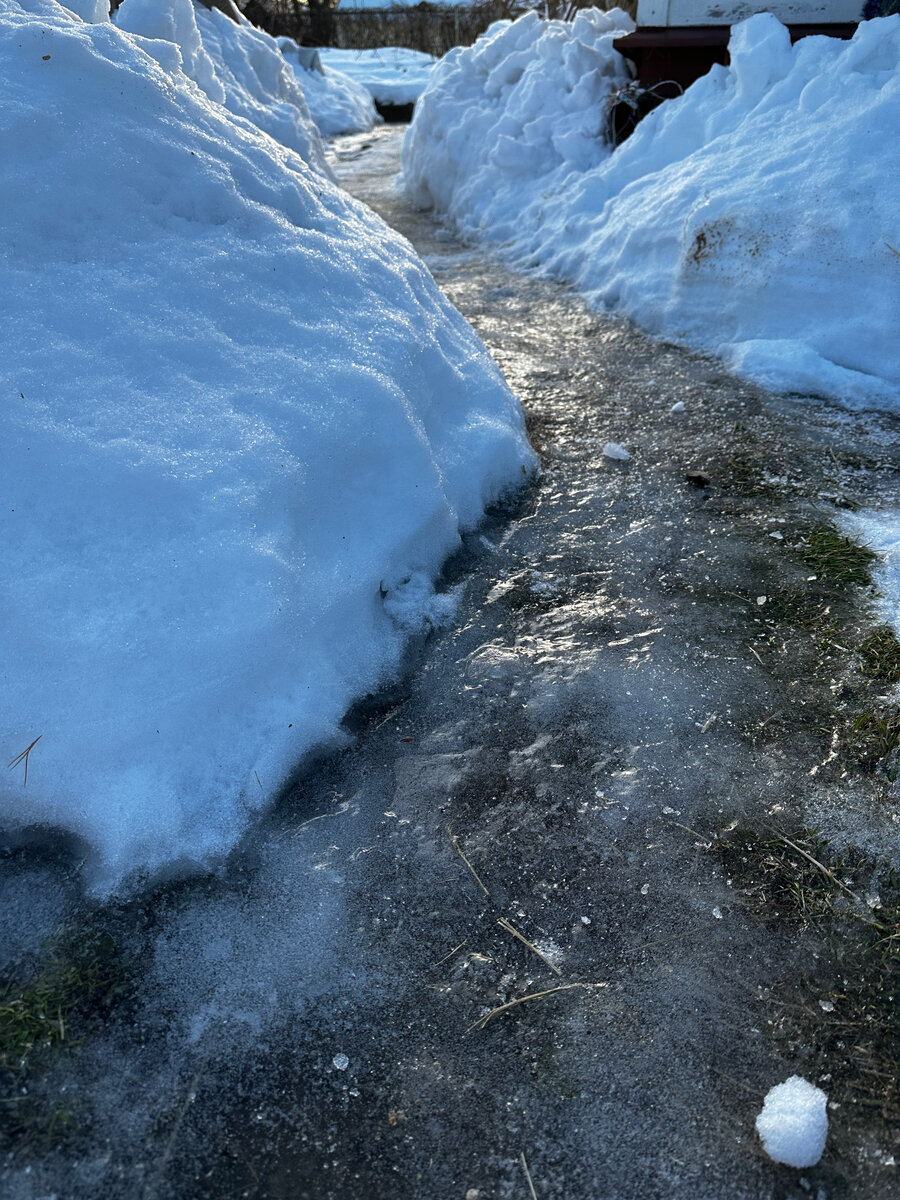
[[777, 535], [873, 901], [645, 889], [341, 1062], [679, 407], [793, 1123], [826, 1005], [810, 578], [717, 913], [670, 811], [614, 450], [585, 920], [760, 600]]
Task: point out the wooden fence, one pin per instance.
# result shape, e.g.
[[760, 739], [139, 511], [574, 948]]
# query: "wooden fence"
[[432, 28]]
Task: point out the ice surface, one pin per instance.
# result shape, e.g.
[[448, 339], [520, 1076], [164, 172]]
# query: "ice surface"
[[239, 419], [337, 103], [793, 1124], [751, 217]]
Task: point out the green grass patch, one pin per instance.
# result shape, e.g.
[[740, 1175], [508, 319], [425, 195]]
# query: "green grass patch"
[[837, 558], [873, 735], [81, 975], [880, 654], [843, 1014]]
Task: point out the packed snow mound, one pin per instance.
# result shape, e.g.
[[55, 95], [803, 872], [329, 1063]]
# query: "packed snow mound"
[[392, 75], [793, 1124], [236, 65], [337, 103], [752, 217], [520, 111], [241, 425], [880, 531]]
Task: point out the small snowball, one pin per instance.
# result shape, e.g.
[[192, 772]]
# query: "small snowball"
[[614, 450], [645, 889], [777, 535], [760, 600], [717, 913], [341, 1062], [793, 1123], [676, 408]]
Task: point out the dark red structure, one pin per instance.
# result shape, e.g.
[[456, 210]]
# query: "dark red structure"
[[684, 54]]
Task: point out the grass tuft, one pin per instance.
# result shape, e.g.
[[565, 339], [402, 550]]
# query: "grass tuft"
[[82, 974], [844, 1013], [874, 735], [880, 654], [838, 558]]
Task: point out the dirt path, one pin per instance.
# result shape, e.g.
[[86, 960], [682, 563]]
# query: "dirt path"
[[539, 922]]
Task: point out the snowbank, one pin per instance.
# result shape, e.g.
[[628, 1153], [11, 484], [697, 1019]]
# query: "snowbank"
[[751, 217], [236, 65], [241, 428], [880, 530], [390, 74], [337, 103], [793, 1124]]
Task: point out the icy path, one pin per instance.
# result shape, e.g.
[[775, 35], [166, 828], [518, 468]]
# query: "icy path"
[[613, 693]]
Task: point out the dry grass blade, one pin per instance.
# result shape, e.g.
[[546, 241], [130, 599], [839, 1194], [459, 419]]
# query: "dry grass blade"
[[495, 1012], [452, 952], [815, 862], [527, 1175], [454, 842], [23, 757], [510, 928]]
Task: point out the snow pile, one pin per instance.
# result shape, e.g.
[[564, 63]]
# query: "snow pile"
[[752, 217], [793, 1124], [236, 65], [515, 117], [240, 427], [337, 103], [390, 74], [880, 531]]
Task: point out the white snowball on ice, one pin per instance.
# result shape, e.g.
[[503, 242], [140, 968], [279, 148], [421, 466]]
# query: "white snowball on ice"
[[793, 1123]]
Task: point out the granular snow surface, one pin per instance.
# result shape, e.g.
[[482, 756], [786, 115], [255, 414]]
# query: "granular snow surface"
[[242, 431], [753, 217]]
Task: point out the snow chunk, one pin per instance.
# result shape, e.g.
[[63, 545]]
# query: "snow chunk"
[[615, 451], [95, 12], [238, 414], [793, 1123]]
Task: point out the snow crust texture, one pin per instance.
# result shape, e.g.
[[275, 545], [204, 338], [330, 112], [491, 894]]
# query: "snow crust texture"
[[235, 65], [241, 427], [793, 1124], [752, 217]]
